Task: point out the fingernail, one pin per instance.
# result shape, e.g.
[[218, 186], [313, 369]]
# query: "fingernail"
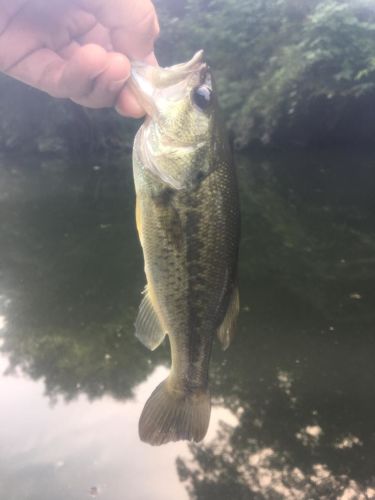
[[117, 85]]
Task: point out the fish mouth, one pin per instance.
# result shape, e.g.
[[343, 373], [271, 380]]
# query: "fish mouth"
[[178, 71], [150, 84]]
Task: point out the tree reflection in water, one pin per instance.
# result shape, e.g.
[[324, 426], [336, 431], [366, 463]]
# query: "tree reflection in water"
[[300, 374], [72, 275]]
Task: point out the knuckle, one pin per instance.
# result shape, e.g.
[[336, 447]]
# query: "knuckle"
[[148, 25]]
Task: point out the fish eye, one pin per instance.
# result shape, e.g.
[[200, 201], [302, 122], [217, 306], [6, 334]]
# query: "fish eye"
[[202, 97]]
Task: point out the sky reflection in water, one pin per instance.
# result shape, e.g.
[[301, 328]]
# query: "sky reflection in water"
[[82, 448]]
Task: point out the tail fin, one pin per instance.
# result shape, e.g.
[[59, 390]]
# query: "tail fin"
[[171, 416]]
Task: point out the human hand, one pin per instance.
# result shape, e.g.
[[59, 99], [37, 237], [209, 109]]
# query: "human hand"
[[78, 49]]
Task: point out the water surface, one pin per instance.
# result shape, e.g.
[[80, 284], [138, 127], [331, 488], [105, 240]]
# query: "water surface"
[[294, 397]]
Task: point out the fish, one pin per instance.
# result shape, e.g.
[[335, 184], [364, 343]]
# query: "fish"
[[188, 221]]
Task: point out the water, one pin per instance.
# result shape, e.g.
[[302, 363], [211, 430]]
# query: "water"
[[294, 397]]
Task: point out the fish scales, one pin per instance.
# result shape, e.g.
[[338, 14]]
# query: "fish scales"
[[189, 235], [188, 277]]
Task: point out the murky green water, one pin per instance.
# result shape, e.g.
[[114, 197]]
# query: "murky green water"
[[294, 396]]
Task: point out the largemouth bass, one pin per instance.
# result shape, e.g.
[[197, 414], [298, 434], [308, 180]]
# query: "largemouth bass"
[[188, 223]]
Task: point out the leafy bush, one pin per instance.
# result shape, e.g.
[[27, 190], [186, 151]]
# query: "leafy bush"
[[273, 58], [287, 71]]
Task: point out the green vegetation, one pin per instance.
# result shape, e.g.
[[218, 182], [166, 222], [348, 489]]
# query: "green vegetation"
[[299, 375], [32, 122], [289, 72], [280, 63], [71, 276]]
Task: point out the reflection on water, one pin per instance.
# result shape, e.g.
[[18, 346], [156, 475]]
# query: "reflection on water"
[[294, 394], [69, 451]]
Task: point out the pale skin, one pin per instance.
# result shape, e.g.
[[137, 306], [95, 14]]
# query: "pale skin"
[[78, 49]]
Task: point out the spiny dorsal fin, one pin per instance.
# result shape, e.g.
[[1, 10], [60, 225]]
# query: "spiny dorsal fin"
[[228, 326], [147, 325]]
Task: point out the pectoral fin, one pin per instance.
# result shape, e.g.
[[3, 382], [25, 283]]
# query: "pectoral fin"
[[148, 328], [227, 329]]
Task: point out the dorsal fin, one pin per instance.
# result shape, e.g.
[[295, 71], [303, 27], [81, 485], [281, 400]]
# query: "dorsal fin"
[[227, 328], [148, 328]]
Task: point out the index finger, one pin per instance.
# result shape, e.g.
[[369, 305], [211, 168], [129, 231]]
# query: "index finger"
[[133, 24]]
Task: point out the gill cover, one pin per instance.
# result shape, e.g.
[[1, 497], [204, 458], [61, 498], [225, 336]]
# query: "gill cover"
[[175, 141]]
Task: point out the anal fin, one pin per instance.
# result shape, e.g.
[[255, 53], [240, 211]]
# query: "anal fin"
[[227, 328], [148, 328]]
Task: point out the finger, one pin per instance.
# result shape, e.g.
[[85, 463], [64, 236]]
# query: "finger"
[[133, 24], [127, 104], [98, 35], [33, 28], [69, 50], [137, 41], [16, 41], [74, 78], [42, 69], [8, 11], [80, 71], [109, 83], [151, 59]]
